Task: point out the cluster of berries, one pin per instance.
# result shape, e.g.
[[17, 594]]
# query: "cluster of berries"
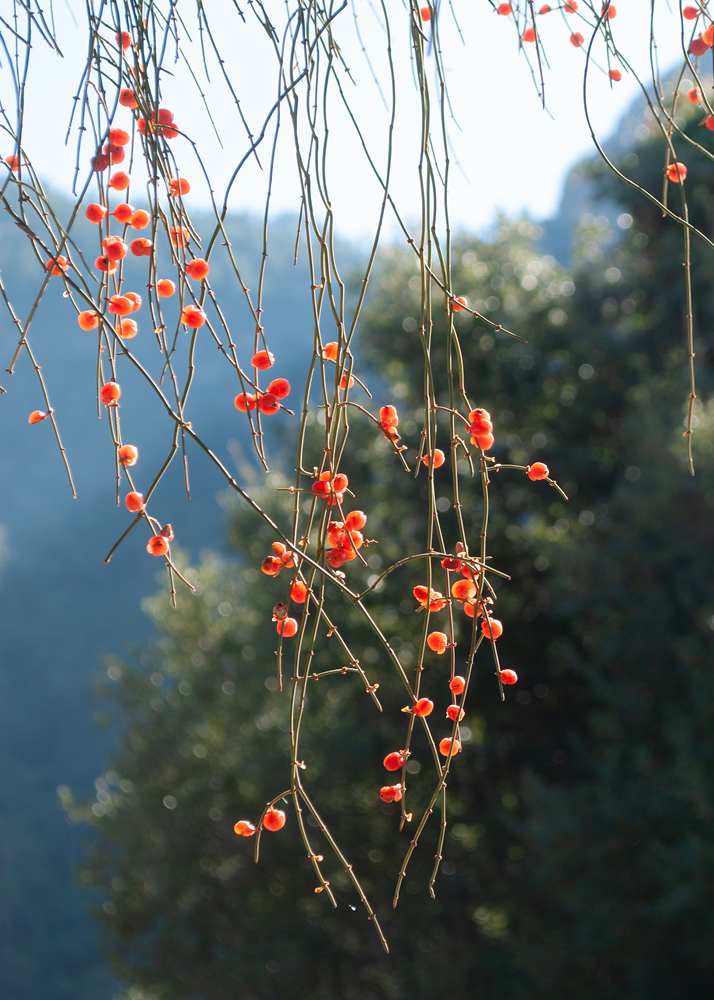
[[267, 402], [344, 538]]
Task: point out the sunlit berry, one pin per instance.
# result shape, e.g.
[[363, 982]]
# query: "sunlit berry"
[[355, 520], [570, 6], [393, 761], [508, 677], [287, 628], [134, 502], [128, 454], [298, 592], [274, 820], [457, 684], [708, 35], [481, 425], [178, 186], [437, 641], [198, 269], [114, 247], [157, 546], [676, 172], [95, 213], [126, 329], [105, 264], [576, 39], [13, 162], [463, 590], [57, 265], [484, 441], [462, 302], [451, 564], [453, 713], [391, 793], [37, 416], [445, 747], [244, 828], [88, 320], [615, 75], [279, 387], [165, 288], [388, 416], [100, 162], [110, 393], [192, 316], [504, 9], [115, 154], [268, 404], [140, 219], [340, 482], [123, 213], [271, 565], [528, 35], [124, 39], [537, 471], [609, 12], [179, 236], [423, 707], [263, 360], [135, 300], [492, 628], [346, 383], [120, 305], [127, 98], [697, 47], [439, 458], [244, 402], [331, 351], [119, 181], [336, 557], [691, 13], [141, 247]]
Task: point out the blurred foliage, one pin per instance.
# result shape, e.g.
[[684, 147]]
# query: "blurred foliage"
[[578, 852]]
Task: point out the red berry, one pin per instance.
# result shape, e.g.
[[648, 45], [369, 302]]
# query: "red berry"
[[141, 247], [279, 387], [119, 305], [128, 454], [390, 793], [274, 819], [119, 181], [423, 707], [340, 482], [244, 828], [135, 300], [439, 458], [88, 320], [124, 39], [268, 404], [462, 302], [331, 351], [576, 39], [37, 416], [123, 213], [445, 747], [134, 502], [537, 471], [95, 213], [437, 641], [263, 360], [165, 288], [508, 676], [192, 316], [615, 75], [355, 520], [140, 219], [271, 565], [298, 592], [110, 393], [452, 712], [691, 13], [676, 173], [388, 416], [457, 684], [57, 265], [114, 247], [126, 329], [158, 546], [287, 628], [179, 236], [245, 402], [529, 35], [180, 186], [198, 269], [127, 99], [491, 628], [393, 761]]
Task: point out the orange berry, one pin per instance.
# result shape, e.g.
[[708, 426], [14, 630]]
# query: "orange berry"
[[268, 404], [140, 219], [462, 302], [88, 320], [340, 482], [691, 13], [346, 383], [99, 162], [287, 628], [676, 173], [484, 441], [128, 454], [481, 425], [119, 181], [119, 137], [336, 557], [157, 546], [439, 458], [355, 520], [244, 828], [545, 9], [570, 6], [615, 75], [423, 707], [479, 413], [178, 186], [124, 39], [388, 416], [193, 316], [392, 793], [425, 16], [120, 305], [457, 684], [463, 590], [198, 269], [13, 162], [453, 713], [508, 676], [393, 761], [134, 502], [127, 99], [279, 387], [609, 12], [114, 154], [529, 35], [576, 39], [37, 416], [245, 402], [451, 564], [445, 747], [114, 247], [492, 628], [141, 247], [262, 360], [127, 329], [135, 300], [708, 35], [95, 213], [504, 9], [271, 565], [437, 641], [106, 265], [123, 213], [179, 236], [110, 393], [537, 471], [57, 265], [298, 592], [331, 351], [697, 47], [165, 288]]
